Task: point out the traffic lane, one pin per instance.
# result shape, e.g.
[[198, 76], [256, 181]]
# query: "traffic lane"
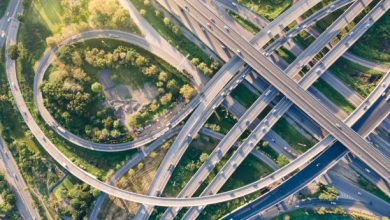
[[293, 91], [300, 179], [293, 184]]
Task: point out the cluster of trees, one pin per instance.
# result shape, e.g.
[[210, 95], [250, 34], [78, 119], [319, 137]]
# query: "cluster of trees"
[[208, 71], [8, 203], [85, 14], [79, 198], [75, 100], [170, 88], [177, 39], [30, 162], [108, 13], [327, 192]]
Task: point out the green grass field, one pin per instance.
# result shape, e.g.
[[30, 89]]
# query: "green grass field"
[[292, 136], [270, 9], [358, 77], [245, 23], [178, 40], [334, 96], [375, 43]]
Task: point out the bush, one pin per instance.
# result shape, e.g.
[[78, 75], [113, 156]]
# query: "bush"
[[14, 52]]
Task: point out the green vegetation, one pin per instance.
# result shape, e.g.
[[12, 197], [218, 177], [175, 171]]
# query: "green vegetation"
[[287, 55], [292, 136], [74, 198], [69, 98], [368, 186], [250, 170], [280, 159], [270, 9], [14, 52], [33, 32], [334, 96], [189, 164], [172, 33], [360, 78], [245, 23], [3, 7], [374, 44], [323, 214], [86, 116], [7, 200], [326, 192], [221, 121], [243, 95]]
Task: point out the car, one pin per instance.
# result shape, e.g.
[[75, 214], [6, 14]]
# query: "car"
[[212, 20], [2, 34], [238, 51], [226, 28], [359, 193], [367, 170]]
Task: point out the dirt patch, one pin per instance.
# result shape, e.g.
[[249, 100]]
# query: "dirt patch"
[[124, 99]]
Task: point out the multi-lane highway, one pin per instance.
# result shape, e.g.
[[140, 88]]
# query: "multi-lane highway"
[[236, 131], [24, 200], [61, 159], [269, 120], [47, 59], [321, 164], [291, 89], [192, 126]]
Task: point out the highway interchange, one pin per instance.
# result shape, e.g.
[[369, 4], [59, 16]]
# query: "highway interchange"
[[210, 96]]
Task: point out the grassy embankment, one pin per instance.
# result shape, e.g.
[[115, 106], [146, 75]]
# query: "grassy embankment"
[[270, 9]]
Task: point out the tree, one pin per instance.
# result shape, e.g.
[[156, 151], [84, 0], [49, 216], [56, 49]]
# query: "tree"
[[64, 53], [142, 12], [205, 69], [163, 76], [166, 99], [153, 154], [282, 160], [13, 52], [96, 87], [187, 91], [203, 157], [150, 71], [141, 61], [131, 172], [195, 61], [173, 86], [140, 165], [135, 119], [167, 21], [215, 65], [328, 193]]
